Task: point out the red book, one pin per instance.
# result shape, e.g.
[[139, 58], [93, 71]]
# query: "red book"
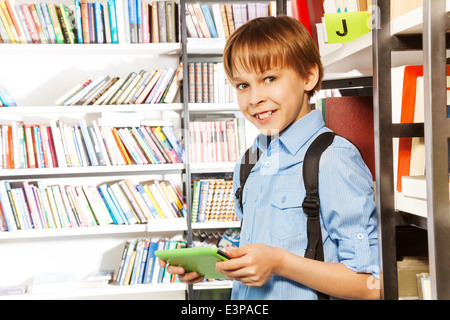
[[52, 147], [352, 118], [301, 13]]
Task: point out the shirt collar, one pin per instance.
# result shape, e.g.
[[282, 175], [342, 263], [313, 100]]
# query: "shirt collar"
[[297, 134]]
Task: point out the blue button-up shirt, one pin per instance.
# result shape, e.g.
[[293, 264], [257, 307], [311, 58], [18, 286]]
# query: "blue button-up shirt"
[[272, 201]]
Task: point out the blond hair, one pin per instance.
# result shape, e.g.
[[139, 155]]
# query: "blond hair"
[[268, 42]]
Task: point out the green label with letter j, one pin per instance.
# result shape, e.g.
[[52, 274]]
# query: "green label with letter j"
[[347, 26]]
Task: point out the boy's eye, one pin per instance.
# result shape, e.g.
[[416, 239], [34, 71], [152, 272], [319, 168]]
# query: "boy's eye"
[[269, 79], [241, 86]]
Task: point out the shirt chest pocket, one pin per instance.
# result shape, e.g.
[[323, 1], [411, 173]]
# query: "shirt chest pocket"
[[287, 217]]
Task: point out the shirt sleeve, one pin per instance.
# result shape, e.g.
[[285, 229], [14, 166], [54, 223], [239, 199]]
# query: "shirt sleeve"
[[348, 207]]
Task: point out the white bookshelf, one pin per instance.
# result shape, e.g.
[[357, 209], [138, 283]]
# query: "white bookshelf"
[[157, 291], [38, 74], [215, 225], [354, 59]]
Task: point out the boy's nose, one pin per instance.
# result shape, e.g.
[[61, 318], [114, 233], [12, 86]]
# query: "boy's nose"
[[258, 96]]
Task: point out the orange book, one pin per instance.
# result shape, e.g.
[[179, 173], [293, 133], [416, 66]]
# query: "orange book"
[[85, 21], [407, 146], [154, 19], [122, 148], [30, 146], [37, 22], [7, 22], [11, 148], [407, 116], [13, 15], [6, 151]]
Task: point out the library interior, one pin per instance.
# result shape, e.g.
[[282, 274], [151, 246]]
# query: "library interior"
[[121, 134]]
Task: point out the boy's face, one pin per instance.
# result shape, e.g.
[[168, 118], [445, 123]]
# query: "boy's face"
[[271, 99]]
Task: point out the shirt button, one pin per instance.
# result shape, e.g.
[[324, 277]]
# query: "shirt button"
[[267, 164], [360, 236]]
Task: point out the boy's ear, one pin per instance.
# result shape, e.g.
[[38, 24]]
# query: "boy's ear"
[[312, 78]]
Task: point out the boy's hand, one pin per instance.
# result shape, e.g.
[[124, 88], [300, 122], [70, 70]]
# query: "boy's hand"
[[252, 264], [190, 278]]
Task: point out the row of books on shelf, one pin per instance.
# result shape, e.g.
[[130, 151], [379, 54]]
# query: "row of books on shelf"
[[43, 22], [26, 205], [153, 21], [139, 265], [212, 200], [143, 87], [209, 84], [80, 145], [220, 20], [218, 141], [89, 22], [6, 99]]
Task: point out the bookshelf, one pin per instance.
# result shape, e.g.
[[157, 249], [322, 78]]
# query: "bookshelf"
[[204, 50], [431, 38], [411, 39], [38, 74]]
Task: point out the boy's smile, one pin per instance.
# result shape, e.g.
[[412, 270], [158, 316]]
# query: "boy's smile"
[[272, 99]]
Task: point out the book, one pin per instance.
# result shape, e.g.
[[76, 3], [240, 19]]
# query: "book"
[[408, 107], [161, 12], [168, 132], [414, 187], [6, 98], [40, 24], [96, 279], [88, 143], [168, 149], [352, 118], [172, 21], [8, 23], [209, 20], [53, 282], [15, 20], [113, 21], [123, 203], [55, 22], [132, 21]]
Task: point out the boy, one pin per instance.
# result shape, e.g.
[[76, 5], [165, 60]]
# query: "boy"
[[275, 67]]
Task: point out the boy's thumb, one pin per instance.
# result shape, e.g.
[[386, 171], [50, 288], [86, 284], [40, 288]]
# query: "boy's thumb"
[[233, 252]]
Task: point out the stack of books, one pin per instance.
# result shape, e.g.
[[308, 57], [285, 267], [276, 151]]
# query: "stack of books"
[[212, 200], [37, 206], [6, 99], [139, 265], [60, 145], [143, 87], [222, 19]]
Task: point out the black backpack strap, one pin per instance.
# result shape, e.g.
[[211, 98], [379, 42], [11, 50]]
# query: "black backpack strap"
[[311, 202], [249, 160]]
